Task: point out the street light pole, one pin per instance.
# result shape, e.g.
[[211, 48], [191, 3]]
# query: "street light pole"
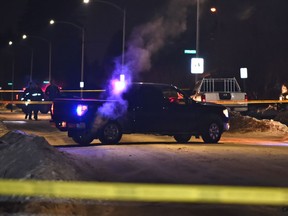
[[82, 60], [123, 27], [82, 50], [31, 66], [50, 52], [31, 61], [197, 32], [197, 28], [13, 70], [13, 75], [123, 38]]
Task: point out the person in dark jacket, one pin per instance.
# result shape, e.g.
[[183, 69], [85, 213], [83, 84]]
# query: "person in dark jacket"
[[283, 96], [52, 91], [34, 93], [284, 92], [27, 97]]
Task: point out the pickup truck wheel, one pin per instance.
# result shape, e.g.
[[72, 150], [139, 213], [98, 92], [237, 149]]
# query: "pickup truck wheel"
[[111, 133], [182, 138], [84, 139], [212, 131]]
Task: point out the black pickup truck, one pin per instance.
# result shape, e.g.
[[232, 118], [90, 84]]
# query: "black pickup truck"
[[146, 108]]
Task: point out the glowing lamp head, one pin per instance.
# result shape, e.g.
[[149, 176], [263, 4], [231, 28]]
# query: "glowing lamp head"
[[81, 109], [213, 9]]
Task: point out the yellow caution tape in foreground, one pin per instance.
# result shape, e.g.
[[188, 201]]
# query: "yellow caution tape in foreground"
[[147, 192]]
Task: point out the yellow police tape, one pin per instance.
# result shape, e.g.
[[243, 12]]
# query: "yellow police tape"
[[146, 192], [25, 102], [81, 90], [239, 102]]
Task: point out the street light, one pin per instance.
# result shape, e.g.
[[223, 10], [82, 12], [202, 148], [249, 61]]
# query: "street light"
[[82, 49], [50, 52], [123, 28], [213, 9]]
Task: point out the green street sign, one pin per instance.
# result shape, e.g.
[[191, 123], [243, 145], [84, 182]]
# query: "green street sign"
[[189, 51]]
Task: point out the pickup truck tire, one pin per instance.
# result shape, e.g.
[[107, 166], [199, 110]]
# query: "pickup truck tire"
[[212, 130], [182, 138], [110, 133], [84, 139]]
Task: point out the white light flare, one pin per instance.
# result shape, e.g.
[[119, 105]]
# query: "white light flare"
[[119, 85]]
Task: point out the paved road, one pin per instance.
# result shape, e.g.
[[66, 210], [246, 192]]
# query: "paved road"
[[15, 121]]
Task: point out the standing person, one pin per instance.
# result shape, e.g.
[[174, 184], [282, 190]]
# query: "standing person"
[[283, 96], [52, 91], [27, 97], [284, 92], [35, 94]]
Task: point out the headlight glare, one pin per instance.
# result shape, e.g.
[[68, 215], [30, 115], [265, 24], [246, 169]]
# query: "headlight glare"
[[226, 113]]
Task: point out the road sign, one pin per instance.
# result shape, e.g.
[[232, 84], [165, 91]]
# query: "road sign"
[[189, 51], [243, 73], [197, 65]]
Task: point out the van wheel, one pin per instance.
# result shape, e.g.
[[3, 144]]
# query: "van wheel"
[[212, 131], [110, 133], [84, 139], [182, 138]]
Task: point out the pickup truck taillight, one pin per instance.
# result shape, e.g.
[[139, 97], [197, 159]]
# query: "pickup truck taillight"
[[246, 97], [52, 108], [203, 98]]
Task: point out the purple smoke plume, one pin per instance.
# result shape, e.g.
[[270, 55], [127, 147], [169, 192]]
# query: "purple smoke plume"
[[144, 42], [149, 38]]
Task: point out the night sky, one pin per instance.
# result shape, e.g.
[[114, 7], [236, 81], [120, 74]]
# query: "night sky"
[[243, 33]]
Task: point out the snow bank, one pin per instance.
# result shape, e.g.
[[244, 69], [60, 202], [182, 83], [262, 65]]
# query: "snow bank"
[[24, 156], [3, 129], [247, 124]]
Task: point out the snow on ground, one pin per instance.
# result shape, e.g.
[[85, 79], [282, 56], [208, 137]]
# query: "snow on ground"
[[25, 156], [246, 124]]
